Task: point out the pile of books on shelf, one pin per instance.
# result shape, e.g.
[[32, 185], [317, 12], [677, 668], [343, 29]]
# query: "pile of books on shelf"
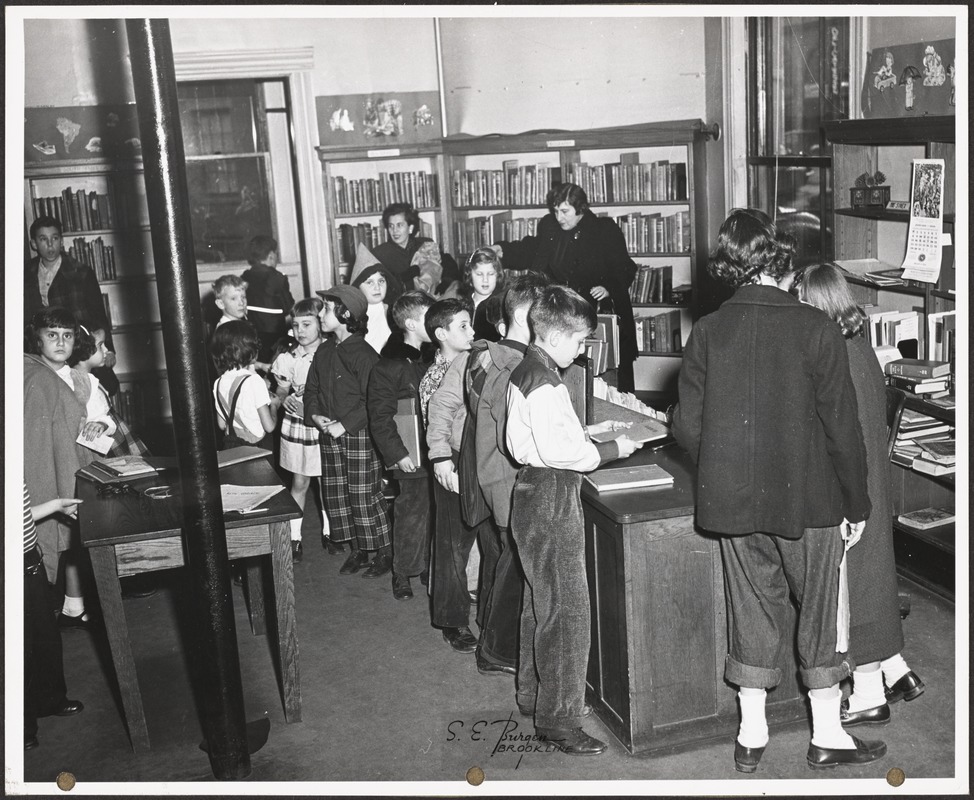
[[95, 254], [350, 236], [481, 231], [372, 195], [655, 233], [652, 285], [512, 185], [80, 210], [928, 379], [629, 181], [925, 444], [876, 272], [660, 333], [603, 346]]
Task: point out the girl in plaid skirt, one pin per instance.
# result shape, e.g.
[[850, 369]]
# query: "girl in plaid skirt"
[[299, 453]]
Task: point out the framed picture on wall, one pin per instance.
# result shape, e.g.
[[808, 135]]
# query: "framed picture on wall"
[[379, 119]]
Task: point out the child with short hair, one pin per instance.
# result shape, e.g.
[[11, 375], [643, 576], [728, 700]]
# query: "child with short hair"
[[545, 435], [335, 403], [246, 411], [230, 296], [396, 377], [441, 391], [268, 294], [299, 453]]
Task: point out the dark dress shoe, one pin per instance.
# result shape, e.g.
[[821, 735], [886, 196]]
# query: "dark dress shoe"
[[333, 548], [66, 708], [65, 622], [746, 759], [355, 561], [460, 639], [401, 589], [909, 687], [828, 757], [380, 565], [871, 716], [297, 551], [573, 741], [486, 667], [30, 742]]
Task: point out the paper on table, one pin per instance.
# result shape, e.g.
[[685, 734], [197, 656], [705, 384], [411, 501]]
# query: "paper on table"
[[100, 444], [246, 498]]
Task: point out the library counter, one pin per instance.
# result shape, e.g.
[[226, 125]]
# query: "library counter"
[[659, 624]]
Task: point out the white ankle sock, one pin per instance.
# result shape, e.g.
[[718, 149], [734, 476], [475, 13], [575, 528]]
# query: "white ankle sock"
[[754, 725], [894, 668], [826, 726], [867, 690], [296, 529], [73, 606]]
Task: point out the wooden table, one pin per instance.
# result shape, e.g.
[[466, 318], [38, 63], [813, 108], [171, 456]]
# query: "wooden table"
[[127, 535], [659, 621]]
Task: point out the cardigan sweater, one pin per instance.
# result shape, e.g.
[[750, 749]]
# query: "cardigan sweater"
[[338, 382], [768, 412]]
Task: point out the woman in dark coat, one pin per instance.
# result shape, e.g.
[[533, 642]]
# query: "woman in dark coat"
[[586, 253], [876, 632]]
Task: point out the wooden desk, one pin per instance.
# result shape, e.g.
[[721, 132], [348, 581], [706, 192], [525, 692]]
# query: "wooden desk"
[[659, 620], [127, 535]]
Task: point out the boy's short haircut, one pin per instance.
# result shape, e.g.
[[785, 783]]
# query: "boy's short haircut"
[[523, 289], [230, 281], [50, 317], [44, 222], [84, 346], [407, 306], [560, 309], [235, 345], [441, 314], [259, 248], [309, 307]]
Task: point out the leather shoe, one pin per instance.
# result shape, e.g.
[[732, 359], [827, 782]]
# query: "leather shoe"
[[573, 741], [909, 687], [380, 565], [870, 716], [529, 712], [297, 551], [333, 548], [460, 639], [828, 757], [66, 708], [401, 589], [30, 742], [66, 622], [355, 561], [746, 759], [485, 667]]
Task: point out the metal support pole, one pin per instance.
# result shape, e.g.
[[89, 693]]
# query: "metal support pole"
[[177, 281]]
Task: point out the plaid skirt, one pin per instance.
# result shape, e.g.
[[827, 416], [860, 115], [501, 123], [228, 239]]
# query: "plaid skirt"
[[351, 486], [125, 443], [300, 453]]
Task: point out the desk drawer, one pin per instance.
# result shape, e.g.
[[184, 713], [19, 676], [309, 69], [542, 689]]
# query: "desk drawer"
[[155, 554]]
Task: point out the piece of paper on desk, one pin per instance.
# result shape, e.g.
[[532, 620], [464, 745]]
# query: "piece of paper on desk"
[[924, 241], [100, 444], [246, 498], [647, 431]]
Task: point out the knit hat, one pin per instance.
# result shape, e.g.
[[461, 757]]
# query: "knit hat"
[[363, 259], [351, 297]]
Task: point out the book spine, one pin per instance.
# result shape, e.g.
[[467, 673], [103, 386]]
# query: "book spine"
[[913, 370]]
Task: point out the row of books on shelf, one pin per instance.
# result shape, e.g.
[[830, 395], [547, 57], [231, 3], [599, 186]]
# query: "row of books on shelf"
[[95, 254], [372, 195], [484, 230], [942, 335], [652, 284], [892, 328], [80, 210], [660, 333], [350, 236], [656, 233], [602, 347], [629, 181], [512, 185]]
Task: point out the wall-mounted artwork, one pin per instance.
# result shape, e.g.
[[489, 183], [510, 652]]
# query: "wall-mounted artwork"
[[379, 119], [910, 80], [81, 132]]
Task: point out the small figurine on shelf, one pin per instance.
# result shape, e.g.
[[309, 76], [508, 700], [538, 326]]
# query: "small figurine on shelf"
[[909, 78], [885, 77]]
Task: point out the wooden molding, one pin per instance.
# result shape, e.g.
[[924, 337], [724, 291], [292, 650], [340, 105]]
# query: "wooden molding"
[[203, 65]]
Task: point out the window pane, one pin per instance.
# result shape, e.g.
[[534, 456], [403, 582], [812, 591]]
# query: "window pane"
[[230, 204], [219, 117]]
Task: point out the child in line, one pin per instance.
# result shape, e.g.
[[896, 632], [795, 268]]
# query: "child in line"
[[396, 377], [230, 296], [381, 289], [545, 435], [441, 395], [483, 276], [53, 419], [299, 452], [246, 411], [268, 294], [334, 402], [876, 631]]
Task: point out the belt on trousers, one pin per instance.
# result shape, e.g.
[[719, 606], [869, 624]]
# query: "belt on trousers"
[[32, 560]]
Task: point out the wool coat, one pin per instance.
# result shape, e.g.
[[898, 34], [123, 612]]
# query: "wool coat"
[[768, 411]]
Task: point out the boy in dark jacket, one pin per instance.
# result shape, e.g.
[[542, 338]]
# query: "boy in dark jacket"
[[396, 377], [269, 299]]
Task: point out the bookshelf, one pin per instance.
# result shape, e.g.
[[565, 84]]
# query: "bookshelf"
[[103, 210], [361, 182], [649, 178], [891, 145]]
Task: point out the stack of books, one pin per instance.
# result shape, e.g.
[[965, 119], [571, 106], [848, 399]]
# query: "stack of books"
[[937, 457], [926, 518], [918, 437], [926, 379]]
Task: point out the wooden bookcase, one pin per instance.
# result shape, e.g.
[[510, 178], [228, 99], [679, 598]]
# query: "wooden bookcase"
[[891, 145]]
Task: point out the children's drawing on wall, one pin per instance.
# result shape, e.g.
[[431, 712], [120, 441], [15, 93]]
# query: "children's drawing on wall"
[[362, 120], [383, 117], [340, 121], [952, 71], [901, 80], [885, 77], [423, 116], [933, 68], [909, 78]]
